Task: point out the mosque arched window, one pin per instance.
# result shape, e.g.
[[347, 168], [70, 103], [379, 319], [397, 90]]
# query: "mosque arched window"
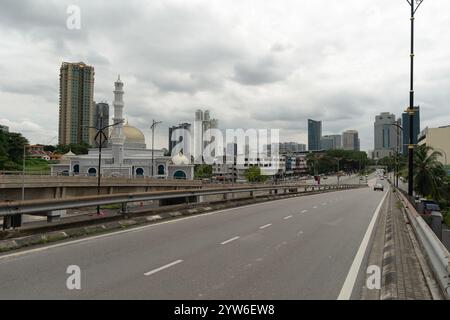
[[92, 172]]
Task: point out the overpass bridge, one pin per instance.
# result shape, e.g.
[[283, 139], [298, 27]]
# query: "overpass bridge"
[[58, 187]]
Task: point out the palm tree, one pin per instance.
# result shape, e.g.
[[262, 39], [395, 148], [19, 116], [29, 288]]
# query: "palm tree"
[[429, 173]]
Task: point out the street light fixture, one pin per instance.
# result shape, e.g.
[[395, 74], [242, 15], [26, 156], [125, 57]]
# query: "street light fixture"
[[154, 124], [414, 6], [100, 133]]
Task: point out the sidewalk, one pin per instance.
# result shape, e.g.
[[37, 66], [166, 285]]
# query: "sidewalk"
[[398, 256]]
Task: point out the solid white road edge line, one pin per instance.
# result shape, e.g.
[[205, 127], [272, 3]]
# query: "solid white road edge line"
[[230, 240], [347, 288], [163, 267]]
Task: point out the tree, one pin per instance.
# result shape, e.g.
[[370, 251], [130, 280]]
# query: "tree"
[[11, 150], [16, 144], [82, 148], [203, 171], [327, 162], [49, 148], [253, 174], [312, 161], [429, 173]]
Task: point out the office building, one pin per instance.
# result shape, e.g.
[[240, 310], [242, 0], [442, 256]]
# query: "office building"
[[350, 140], [439, 140], [386, 136], [416, 129], [327, 143], [76, 104], [314, 134], [331, 142], [290, 147]]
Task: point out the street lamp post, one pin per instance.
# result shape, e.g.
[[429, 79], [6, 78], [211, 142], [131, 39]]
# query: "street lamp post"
[[100, 133], [154, 123], [397, 151], [414, 4]]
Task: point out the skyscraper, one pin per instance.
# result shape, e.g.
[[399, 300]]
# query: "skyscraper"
[[331, 142], [327, 143], [202, 124], [385, 135], [76, 111], [416, 129], [350, 140], [101, 118], [314, 134]]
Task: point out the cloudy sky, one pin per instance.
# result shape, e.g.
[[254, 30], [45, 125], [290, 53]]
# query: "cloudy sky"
[[254, 64]]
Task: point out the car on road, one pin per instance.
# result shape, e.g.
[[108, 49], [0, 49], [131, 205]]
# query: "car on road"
[[379, 187], [426, 207]]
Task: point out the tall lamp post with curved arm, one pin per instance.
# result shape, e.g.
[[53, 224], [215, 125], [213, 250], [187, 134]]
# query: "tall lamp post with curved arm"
[[99, 135], [414, 4]]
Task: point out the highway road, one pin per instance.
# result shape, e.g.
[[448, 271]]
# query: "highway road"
[[297, 248]]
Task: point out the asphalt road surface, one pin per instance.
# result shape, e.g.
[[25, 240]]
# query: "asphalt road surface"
[[298, 248]]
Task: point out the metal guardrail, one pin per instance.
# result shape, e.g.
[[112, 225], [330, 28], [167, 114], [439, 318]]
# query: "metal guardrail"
[[42, 206], [437, 253]]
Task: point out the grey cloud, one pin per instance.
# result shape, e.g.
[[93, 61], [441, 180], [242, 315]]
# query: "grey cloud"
[[263, 71]]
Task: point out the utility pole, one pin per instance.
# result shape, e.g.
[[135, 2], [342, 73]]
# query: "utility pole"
[[154, 123]]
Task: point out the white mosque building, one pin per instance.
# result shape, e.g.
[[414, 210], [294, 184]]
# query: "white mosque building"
[[126, 155]]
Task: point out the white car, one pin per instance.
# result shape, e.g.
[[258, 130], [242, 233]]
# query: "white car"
[[379, 187]]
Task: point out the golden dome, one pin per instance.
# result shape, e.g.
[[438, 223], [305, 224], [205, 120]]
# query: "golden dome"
[[133, 135]]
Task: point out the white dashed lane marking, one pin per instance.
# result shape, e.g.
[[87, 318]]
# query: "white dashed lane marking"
[[265, 227], [163, 268], [230, 240]]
